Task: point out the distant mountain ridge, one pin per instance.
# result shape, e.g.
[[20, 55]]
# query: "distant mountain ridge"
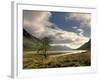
[[85, 46]]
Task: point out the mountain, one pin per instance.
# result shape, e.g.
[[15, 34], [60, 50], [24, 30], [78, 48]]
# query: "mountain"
[[27, 35], [85, 46], [29, 41]]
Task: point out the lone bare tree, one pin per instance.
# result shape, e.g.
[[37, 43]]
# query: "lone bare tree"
[[44, 45]]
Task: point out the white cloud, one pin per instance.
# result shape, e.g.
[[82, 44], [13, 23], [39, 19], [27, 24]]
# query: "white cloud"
[[35, 21], [85, 18], [75, 27], [73, 40], [80, 32], [82, 19]]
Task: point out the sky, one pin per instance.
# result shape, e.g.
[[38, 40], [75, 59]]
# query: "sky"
[[70, 29], [70, 21]]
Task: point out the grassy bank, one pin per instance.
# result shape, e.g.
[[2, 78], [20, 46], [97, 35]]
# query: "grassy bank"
[[34, 61]]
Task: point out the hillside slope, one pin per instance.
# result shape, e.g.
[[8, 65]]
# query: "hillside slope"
[[29, 41], [86, 46]]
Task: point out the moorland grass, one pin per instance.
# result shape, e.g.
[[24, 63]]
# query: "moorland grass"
[[35, 61]]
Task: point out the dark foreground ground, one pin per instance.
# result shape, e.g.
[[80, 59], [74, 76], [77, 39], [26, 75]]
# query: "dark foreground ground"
[[35, 61]]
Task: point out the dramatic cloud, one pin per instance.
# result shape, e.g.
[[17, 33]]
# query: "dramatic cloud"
[[35, 21], [38, 24], [82, 20], [66, 38]]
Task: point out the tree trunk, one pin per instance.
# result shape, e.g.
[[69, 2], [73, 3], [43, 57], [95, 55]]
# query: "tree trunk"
[[45, 53]]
